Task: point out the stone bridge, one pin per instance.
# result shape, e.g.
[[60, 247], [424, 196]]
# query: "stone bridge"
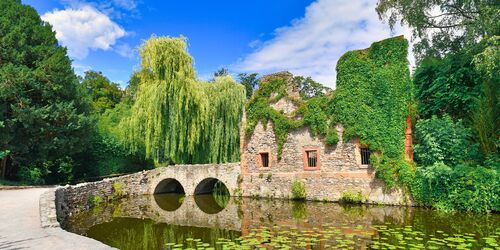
[[192, 179], [185, 179]]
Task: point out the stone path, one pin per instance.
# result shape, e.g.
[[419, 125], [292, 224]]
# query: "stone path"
[[20, 226]]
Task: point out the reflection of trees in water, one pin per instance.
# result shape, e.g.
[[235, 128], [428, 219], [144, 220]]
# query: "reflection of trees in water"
[[221, 194], [146, 234], [129, 233]]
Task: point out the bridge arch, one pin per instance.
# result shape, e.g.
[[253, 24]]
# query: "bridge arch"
[[169, 185], [207, 186]]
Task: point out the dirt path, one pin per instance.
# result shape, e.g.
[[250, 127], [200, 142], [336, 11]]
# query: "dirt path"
[[20, 226]]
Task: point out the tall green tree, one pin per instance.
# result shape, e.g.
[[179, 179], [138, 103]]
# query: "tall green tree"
[[447, 85], [442, 26], [221, 72], [42, 105], [105, 94], [486, 116], [249, 81], [172, 117], [131, 89], [309, 88]]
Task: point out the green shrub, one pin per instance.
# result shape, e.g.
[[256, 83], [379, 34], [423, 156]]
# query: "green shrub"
[[442, 140], [32, 175], [298, 190], [118, 191], [464, 188], [475, 189], [394, 172], [352, 197], [95, 200], [431, 184]]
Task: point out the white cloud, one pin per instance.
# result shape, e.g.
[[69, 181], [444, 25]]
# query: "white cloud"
[[126, 4], [84, 29], [311, 46], [125, 50], [80, 69]]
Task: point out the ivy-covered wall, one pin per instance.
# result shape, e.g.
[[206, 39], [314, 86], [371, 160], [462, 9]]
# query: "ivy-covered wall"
[[373, 97], [315, 112]]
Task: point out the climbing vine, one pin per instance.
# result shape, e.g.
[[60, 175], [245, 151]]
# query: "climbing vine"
[[373, 97], [313, 113], [178, 119]]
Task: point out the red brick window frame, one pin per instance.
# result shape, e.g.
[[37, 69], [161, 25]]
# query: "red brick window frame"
[[311, 158], [263, 159]]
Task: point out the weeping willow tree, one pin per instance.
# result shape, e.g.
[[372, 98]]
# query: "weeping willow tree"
[[178, 119]]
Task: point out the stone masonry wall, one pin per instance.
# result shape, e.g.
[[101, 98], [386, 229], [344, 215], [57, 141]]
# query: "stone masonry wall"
[[340, 168]]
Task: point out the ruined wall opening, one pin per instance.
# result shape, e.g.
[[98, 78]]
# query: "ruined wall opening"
[[169, 186]]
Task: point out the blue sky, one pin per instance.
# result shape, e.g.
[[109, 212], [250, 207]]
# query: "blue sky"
[[304, 37]]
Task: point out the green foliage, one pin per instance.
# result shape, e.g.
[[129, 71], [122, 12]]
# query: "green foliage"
[[298, 190], [372, 99], [394, 172], [118, 191], [221, 72], [308, 88], [332, 138], [42, 105], [442, 26], [442, 140], [352, 197], [177, 119], [465, 188], [373, 95], [486, 116], [448, 85], [4, 154], [95, 201], [314, 113], [250, 81], [131, 90], [32, 175], [105, 94]]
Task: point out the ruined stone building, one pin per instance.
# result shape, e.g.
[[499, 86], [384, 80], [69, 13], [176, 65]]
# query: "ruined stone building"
[[328, 171]]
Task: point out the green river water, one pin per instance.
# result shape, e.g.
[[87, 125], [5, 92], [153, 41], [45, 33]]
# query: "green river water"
[[201, 222]]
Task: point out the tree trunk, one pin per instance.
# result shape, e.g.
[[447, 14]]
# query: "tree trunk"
[[3, 167]]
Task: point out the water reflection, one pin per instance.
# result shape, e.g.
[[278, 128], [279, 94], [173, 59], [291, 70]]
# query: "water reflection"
[[152, 222], [169, 202], [211, 204]]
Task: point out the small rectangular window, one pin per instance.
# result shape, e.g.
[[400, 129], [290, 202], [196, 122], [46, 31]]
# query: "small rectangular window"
[[312, 160], [365, 156], [264, 159]]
